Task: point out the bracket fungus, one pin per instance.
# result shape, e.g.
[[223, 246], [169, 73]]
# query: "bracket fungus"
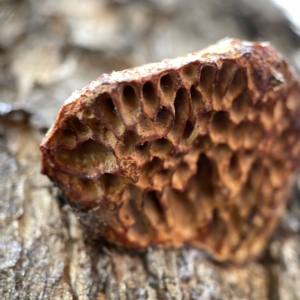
[[196, 150]]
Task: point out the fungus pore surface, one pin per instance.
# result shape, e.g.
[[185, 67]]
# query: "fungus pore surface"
[[195, 150]]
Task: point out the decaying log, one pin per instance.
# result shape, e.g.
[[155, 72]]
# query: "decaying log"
[[45, 255]]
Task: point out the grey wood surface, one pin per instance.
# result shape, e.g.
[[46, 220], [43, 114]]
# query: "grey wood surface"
[[49, 48], [45, 255]]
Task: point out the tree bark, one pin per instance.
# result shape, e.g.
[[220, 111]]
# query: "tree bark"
[[49, 48], [45, 255]]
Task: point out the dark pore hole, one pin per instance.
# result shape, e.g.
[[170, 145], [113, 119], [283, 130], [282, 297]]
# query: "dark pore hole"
[[130, 98], [149, 93], [167, 83], [188, 130], [207, 77], [150, 99], [104, 109]]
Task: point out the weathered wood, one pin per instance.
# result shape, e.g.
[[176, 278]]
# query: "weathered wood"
[[47, 50], [43, 253]]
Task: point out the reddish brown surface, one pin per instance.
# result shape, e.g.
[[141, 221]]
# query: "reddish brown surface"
[[198, 150]]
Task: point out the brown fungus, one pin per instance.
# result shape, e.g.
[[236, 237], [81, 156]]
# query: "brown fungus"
[[198, 150]]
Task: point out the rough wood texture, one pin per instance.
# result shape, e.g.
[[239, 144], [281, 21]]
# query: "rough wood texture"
[[46, 52], [43, 254]]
